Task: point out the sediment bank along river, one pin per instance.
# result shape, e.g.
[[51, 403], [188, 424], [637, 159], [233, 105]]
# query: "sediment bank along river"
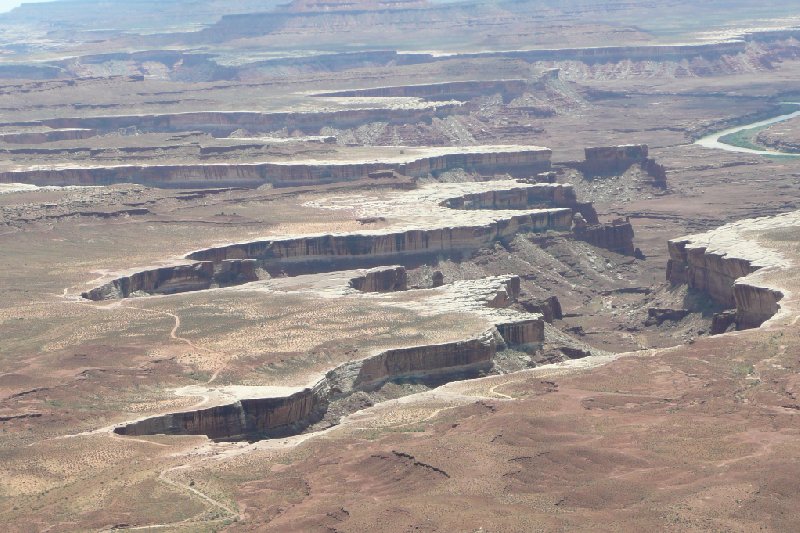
[[714, 140]]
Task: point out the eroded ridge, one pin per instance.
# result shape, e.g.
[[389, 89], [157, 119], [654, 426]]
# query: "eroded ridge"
[[415, 236], [268, 412], [729, 264], [288, 172]]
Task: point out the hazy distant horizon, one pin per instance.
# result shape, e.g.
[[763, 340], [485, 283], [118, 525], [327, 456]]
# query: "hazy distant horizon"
[[8, 5]]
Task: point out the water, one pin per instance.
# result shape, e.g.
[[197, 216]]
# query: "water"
[[713, 140]]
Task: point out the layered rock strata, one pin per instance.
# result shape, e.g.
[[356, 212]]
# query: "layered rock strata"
[[612, 159], [725, 264], [223, 123], [41, 137], [439, 232], [513, 160], [453, 90], [340, 250], [279, 415], [196, 276], [255, 417], [381, 279], [537, 194], [616, 236]]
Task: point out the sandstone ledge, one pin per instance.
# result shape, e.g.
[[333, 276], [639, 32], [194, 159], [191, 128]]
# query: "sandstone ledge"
[[730, 265]]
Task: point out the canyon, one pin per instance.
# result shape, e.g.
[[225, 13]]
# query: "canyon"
[[399, 266]]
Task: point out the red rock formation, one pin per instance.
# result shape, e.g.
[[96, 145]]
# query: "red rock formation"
[[406, 243], [549, 308], [522, 333], [179, 278], [656, 171], [613, 159], [521, 162], [617, 236], [223, 123], [382, 279], [718, 274], [47, 136], [258, 417], [462, 357], [453, 90]]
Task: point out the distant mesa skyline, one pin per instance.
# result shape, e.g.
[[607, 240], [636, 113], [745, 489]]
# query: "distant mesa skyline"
[[8, 5]]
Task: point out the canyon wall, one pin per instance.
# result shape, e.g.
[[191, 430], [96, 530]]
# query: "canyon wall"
[[287, 415], [391, 244], [522, 162], [724, 278], [617, 236], [41, 137], [601, 160], [453, 90], [382, 279], [425, 362], [223, 123], [196, 276], [253, 418]]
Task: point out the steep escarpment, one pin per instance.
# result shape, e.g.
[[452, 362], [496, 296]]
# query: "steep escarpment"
[[246, 418], [41, 137], [454, 90], [722, 263], [340, 250], [616, 236], [381, 279], [516, 161], [428, 362], [276, 415], [268, 417], [611, 159], [196, 276], [536, 195], [223, 123], [440, 230]]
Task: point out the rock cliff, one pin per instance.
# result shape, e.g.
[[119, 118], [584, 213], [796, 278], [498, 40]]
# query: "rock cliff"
[[196, 276], [613, 159], [616, 236], [269, 417], [517, 161], [723, 263], [246, 418], [345, 249], [382, 279]]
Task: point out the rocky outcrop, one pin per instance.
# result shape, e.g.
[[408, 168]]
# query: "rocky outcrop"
[[428, 362], [453, 90], [223, 123], [341, 249], [247, 418], [41, 137], [616, 236], [382, 279], [196, 276], [516, 161], [722, 263], [723, 322], [534, 195], [657, 315], [656, 171], [522, 333], [603, 160], [708, 271], [549, 308], [258, 418], [754, 304]]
